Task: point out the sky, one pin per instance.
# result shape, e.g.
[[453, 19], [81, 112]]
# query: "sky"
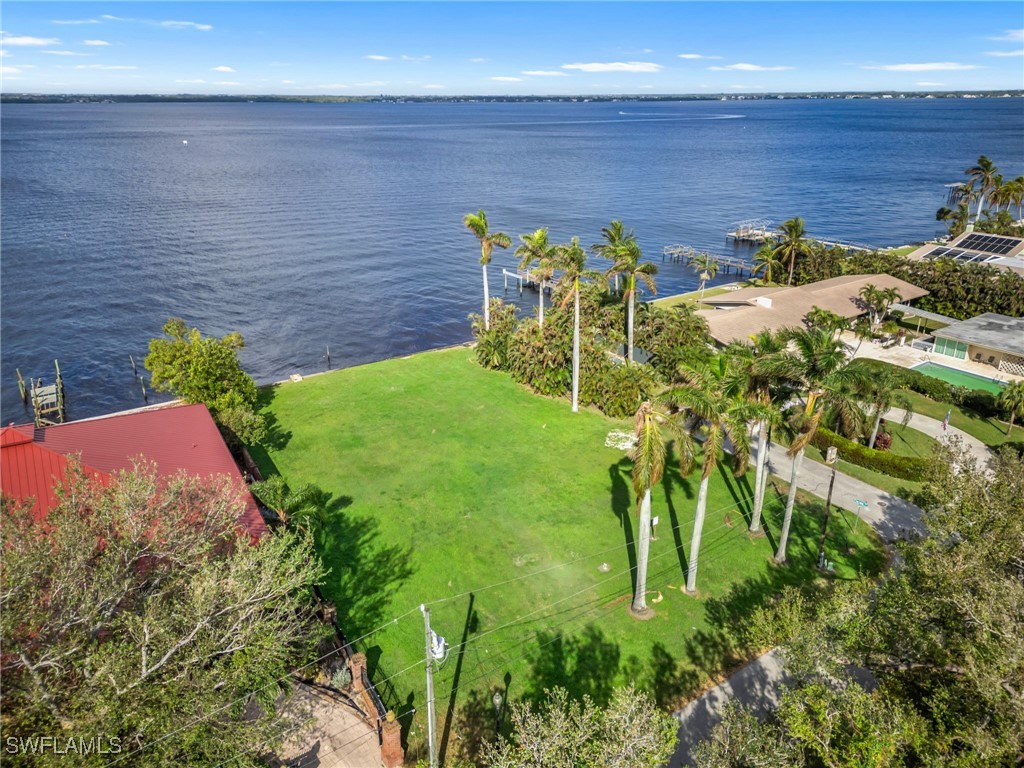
[[518, 48]]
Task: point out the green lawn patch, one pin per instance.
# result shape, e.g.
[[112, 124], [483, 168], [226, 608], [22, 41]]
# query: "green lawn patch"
[[991, 431], [693, 297], [454, 486]]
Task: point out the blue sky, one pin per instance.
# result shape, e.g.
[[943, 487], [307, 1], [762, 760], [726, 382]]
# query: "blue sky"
[[474, 48]]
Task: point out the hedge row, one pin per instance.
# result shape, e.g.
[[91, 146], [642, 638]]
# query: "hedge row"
[[903, 467], [980, 401]]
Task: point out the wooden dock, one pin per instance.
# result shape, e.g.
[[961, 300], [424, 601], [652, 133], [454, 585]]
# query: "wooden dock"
[[685, 254], [758, 231], [527, 279], [47, 399]]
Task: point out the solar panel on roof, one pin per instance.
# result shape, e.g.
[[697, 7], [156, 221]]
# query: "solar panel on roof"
[[989, 243]]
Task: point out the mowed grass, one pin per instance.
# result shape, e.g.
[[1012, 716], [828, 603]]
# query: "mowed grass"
[[507, 514], [991, 431]]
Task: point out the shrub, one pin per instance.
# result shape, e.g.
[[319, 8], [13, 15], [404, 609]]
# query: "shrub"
[[903, 467], [492, 346], [616, 389], [541, 358]]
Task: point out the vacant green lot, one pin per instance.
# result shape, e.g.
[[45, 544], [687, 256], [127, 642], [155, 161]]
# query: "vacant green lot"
[[509, 516]]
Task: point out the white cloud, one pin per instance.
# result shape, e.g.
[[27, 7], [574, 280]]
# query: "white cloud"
[[1010, 36], [26, 40], [185, 25], [615, 66], [378, 57], [65, 53], [507, 79], [4, 52], [741, 67], [190, 82], [415, 58], [75, 21], [95, 42], [333, 85], [287, 82], [544, 73], [645, 86], [938, 66], [103, 66], [221, 69], [434, 87], [477, 61], [226, 82], [928, 84], [9, 70], [1019, 52], [371, 84], [692, 56]]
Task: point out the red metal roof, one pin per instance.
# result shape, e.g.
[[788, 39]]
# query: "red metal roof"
[[176, 438]]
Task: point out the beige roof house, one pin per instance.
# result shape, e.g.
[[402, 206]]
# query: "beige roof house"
[[740, 314], [997, 251]]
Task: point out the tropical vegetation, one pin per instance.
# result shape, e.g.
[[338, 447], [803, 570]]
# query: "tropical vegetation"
[[477, 224]]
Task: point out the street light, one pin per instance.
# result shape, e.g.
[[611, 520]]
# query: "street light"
[[496, 700]]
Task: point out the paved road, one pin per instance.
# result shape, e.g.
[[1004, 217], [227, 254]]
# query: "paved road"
[[760, 682]]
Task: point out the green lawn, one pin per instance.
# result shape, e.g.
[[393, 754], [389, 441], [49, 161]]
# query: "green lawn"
[[693, 297], [507, 513], [992, 432]]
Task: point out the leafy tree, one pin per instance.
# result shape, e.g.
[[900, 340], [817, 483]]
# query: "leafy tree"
[[958, 218], [707, 267], [825, 320], [982, 177], [301, 509], [882, 392], [1011, 399], [941, 638], [819, 369], [205, 369], [631, 732], [792, 244], [878, 300], [715, 396], [538, 256], [477, 224], [140, 610]]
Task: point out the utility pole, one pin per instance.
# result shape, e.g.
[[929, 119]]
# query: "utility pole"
[[431, 739], [830, 458]]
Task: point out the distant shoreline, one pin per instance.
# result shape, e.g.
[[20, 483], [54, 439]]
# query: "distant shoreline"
[[148, 98]]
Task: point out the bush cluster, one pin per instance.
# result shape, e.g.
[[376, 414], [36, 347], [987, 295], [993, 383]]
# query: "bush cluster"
[[980, 401], [903, 467], [541, 359]]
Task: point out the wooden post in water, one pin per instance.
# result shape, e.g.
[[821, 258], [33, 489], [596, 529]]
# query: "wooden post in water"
[[142, 383], [328, 357], [135, 371], [59, 382], [21, 387]]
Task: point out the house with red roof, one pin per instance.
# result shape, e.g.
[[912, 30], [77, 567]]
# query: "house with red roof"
[[34, 461]]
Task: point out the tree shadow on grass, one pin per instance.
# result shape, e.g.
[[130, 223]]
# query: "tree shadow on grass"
[[364, 571], [622, 505], [671, 479], [741, 501]]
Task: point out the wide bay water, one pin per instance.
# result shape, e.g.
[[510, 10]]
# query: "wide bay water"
[[304, 226]]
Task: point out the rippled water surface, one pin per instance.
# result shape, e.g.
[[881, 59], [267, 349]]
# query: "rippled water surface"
[[304, 226]]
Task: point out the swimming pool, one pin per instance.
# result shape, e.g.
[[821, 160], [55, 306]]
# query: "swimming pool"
[[959, 378]]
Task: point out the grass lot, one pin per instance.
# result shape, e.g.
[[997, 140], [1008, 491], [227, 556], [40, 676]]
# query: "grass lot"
[[454, 486], [693, 297], [992, 432]]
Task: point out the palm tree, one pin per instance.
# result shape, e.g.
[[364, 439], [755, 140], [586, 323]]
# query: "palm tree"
[[982, 176], [302, 508], [771, 393], [648, 466], [615, 237], [707, 266], [878, 301], [883, 392], [819, 369], [572, 259], [766, 260], [477, 224], [959, 217], [714, 395], [792, 243], [536, 249], [1011, 399], [626, 261]]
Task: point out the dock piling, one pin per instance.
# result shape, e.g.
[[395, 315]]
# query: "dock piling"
[[22, 388], [135, 371]]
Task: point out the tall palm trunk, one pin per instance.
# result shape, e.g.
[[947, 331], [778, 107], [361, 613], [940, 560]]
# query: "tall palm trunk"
[[643, 547], [629, 319], [576, 350], [792, 266], [874, 432], [487, 301], [762, 469], [698, 527], [780, 556], [541, 321]]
